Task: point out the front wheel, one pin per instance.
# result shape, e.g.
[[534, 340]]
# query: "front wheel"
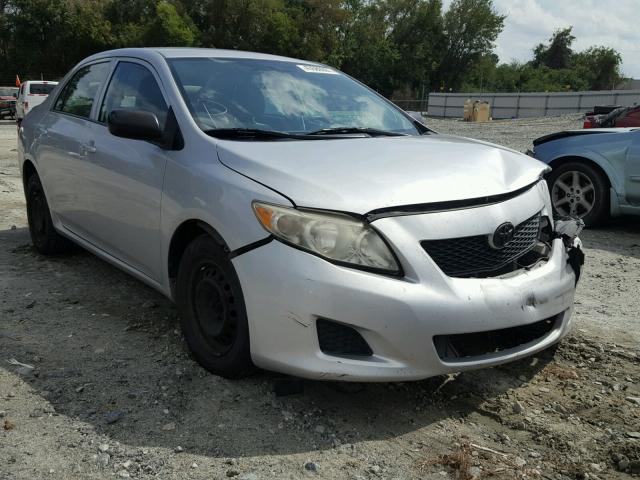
[[212, 310], [579, 190]]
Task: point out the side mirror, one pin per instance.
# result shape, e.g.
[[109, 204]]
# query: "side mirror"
[[15, 94], [134, 124]]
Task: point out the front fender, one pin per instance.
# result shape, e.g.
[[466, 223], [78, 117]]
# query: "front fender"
[[211, 193], [613, 173]]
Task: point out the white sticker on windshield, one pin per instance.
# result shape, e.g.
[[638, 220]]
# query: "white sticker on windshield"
[[317, 69]]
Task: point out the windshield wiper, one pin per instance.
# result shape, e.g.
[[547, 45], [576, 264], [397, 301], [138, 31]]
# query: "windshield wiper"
[[325, 133], [239, 133], [347, 130]]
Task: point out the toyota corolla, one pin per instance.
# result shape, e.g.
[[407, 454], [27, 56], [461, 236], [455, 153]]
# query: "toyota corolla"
[[301, 222]]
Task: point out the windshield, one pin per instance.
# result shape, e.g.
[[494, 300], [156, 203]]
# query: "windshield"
[[41, 88], [280, 96]]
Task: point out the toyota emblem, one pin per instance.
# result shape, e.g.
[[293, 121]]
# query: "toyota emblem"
[[503, 235]]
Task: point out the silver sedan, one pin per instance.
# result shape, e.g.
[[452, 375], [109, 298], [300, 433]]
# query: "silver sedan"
[[301, 222]]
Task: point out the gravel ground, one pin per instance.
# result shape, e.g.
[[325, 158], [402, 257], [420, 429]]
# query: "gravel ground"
[[113, 392], [516, 134]]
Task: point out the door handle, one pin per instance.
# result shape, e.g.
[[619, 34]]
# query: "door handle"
[[88, 147]]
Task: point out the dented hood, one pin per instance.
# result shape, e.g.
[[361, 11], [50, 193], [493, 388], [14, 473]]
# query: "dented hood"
[[363, 174]]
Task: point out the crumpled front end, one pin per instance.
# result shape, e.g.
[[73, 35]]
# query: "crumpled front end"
[[480, 286]]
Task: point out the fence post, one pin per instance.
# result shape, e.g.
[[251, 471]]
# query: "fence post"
[[518, 105], [444, 109], [546, 104], [615, 98]]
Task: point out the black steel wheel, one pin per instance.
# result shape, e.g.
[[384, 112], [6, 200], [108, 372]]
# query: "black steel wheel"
[[212, 310], [44, 236]]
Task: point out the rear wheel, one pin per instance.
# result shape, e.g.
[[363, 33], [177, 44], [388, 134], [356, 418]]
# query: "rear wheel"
[[44, 236], [579, 190], [212, 310]]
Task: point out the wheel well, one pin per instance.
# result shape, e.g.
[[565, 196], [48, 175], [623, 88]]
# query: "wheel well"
[[182, 237], [562, 160], [27, 171]]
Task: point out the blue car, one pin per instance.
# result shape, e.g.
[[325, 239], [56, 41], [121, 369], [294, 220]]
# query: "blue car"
[[596, 172]]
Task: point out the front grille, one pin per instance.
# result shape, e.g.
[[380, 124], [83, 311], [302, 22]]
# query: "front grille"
[[469, 345], [341, 340], [474, 256]]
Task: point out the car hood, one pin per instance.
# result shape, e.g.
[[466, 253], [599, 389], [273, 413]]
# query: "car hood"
[[573, 133], [360, 175]]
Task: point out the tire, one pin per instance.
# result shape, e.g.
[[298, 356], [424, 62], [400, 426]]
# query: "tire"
[[578, 185], [212, 311], [44, 236]]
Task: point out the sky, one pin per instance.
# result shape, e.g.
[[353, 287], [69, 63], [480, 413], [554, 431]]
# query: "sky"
[[611, 23]]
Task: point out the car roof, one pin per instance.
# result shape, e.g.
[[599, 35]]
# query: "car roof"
[[187, 52]]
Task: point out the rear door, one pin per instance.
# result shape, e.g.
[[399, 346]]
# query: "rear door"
[[63, 135], [126, 176]]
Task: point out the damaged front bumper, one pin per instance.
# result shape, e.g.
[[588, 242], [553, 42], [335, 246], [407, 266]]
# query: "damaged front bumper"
[[423, 324], [403, 321]]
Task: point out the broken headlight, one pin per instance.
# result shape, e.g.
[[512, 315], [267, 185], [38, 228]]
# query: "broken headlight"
[[338, 238]]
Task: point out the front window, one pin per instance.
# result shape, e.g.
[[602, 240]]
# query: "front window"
[[280, 96], [133, 87]]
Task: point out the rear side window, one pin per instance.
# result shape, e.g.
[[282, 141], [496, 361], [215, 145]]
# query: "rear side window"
[[133, 87], [40, 88], [78, 95]]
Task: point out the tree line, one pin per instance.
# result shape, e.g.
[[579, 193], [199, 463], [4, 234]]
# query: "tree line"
[[401, 48], [555, 66]]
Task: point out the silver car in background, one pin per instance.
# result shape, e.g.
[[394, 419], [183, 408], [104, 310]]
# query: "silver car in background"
[[301, 222]]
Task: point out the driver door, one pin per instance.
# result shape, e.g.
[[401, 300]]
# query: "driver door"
[[127, 175]]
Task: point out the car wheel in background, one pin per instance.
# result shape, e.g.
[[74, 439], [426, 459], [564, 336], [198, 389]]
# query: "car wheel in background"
[[44, 236], [212, 310], [579, 190]]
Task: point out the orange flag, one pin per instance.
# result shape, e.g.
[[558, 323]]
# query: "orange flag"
[[17, 81]]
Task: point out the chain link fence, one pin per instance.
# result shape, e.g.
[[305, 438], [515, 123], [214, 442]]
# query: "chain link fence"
[[408, 105]]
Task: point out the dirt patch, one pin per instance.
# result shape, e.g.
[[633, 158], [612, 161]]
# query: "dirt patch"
[[103, 386]]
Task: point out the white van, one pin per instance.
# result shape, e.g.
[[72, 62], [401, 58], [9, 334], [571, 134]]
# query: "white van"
[[32, 93]]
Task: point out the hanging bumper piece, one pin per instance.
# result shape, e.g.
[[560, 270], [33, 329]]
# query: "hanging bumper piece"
[[568, 229]]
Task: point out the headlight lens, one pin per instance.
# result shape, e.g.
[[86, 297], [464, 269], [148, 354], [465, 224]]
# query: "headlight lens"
[[336, 237]]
